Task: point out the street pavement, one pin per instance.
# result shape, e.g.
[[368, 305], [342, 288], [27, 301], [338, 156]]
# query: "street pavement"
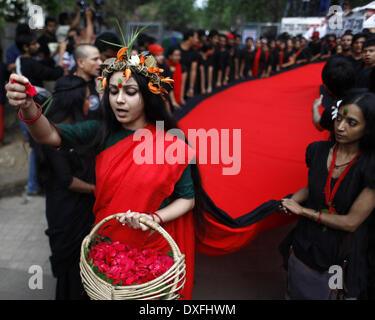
[[253, 272]]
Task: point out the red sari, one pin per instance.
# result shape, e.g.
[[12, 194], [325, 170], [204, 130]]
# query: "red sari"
[[122, 184]]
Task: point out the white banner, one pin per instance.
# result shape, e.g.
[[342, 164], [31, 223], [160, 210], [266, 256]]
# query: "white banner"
[[300, 25]]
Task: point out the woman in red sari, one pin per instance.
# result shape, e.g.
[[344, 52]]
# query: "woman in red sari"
[[164, 191]]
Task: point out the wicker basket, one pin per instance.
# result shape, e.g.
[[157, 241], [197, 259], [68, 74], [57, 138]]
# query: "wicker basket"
[[164, 287]]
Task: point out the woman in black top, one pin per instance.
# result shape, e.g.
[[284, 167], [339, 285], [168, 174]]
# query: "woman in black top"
[[335, 205], [69, 191]]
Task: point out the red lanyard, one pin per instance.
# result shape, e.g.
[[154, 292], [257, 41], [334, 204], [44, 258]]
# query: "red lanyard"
[[327, 189]]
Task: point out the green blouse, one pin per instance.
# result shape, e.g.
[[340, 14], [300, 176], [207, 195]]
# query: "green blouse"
[[84, 132]]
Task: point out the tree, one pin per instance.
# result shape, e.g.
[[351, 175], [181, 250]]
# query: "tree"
[[11, 11]]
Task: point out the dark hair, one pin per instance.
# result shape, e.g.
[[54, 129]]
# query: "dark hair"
[[50, 19], [357, 36], [201, 33], [68, 99], [63, 18], [338, 75], [189, 33], [143, 39], [24, 39], [171, 50], [22, 28], [369, 42], [206, 47], [109, 37], [365, 100], [155, 110], [213, 33]]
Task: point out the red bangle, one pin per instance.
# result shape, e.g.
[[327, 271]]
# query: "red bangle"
[[320, 213], [161, 220], [33, 119]]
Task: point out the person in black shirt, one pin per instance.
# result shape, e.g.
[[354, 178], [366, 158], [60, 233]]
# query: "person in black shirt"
[[189, 58], [69, 190], [221, 60], [301, 52], [246, 59], [205, 68], [325, 49], [346, 43], [88, 64], [213, 38], [357, 47], [231, 69], [288, 60], [333, 226], [274, 56], [28, 66], [363, 79], [315, 47]]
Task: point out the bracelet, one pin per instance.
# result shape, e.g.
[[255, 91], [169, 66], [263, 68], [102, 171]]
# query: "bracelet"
[[33, 119], [161, 220], [320, 214]]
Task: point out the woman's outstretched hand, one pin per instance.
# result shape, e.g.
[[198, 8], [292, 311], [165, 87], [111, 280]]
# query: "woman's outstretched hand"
[[16, 94], [131, 219], [292, 206]]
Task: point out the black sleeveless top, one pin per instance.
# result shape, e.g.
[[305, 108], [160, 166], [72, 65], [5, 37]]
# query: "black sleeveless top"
[[320, 247]]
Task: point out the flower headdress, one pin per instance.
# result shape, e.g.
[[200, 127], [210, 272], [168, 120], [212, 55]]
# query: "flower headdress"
[[143, 63]]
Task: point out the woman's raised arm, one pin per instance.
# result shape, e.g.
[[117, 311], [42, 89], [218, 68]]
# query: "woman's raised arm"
[[38, 125]]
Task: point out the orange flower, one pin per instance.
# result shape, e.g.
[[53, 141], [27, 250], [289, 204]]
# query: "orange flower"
[[104, 83], [167, 80], [141, 59], [127, 74], [121, 54], [155, 70], [153, 89]]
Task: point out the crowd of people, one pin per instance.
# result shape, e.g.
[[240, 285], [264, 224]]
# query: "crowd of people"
[[199, 65]]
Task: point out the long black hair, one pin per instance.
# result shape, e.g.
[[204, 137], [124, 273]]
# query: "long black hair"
[[365, 100], [67, 103], [155, 110], [68, 99]]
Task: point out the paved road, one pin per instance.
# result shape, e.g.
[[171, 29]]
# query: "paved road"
[[254, 272]]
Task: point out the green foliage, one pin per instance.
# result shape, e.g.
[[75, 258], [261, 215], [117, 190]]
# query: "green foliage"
[[11, 11], [177, 14]]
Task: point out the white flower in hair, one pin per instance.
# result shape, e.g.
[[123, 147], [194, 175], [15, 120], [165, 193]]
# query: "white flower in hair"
[[335, 109], [334, 112], [134, 60]]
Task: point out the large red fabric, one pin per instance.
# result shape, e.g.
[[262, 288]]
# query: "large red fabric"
[[275, 119], [122, 184]]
